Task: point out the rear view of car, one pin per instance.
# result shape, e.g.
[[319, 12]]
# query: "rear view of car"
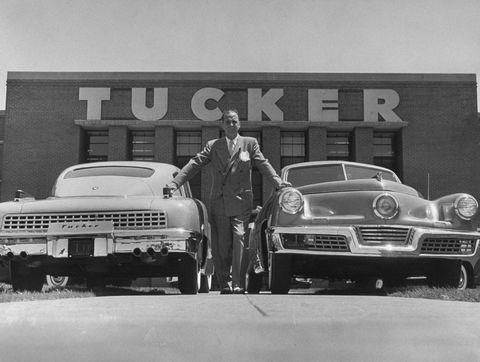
[[106, 222]]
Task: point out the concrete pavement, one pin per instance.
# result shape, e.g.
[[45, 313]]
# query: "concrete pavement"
[[261, 327]]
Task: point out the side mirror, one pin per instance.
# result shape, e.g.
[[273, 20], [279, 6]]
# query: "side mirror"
[[22, 195]]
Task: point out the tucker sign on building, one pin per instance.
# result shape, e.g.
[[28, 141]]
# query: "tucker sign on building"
[[424, 126], [322, 104]]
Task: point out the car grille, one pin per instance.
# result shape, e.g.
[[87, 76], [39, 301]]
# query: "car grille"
[[315, 242], [381, 235], [121, 220], [448, 246], [330, 243]]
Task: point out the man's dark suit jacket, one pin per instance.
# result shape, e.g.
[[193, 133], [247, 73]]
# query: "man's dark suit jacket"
[[232, 176]]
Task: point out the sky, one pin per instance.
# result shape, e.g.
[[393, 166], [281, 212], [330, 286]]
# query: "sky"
[[319, 36]]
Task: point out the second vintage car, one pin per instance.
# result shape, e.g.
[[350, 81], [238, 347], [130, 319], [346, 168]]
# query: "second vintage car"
[[353, 221], [107, 222]]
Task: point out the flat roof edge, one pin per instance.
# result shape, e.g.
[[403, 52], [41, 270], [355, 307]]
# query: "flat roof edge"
[[240, 76]]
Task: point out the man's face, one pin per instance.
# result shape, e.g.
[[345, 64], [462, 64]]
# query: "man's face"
[[231, 124]]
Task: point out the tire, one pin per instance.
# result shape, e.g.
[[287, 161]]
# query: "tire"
[[188, 277], [279, 273], [446, 274], [464, 279], [254, 283], [26, 279], [205, 283], [56, 282]]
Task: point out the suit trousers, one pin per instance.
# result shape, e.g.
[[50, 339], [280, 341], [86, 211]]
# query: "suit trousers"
[[228, 234]]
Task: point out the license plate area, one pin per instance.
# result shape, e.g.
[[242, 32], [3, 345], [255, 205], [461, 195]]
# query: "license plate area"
[[81, 247]]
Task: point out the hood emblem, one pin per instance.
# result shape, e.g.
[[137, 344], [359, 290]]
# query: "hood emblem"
[[378, 176], [94, 188]]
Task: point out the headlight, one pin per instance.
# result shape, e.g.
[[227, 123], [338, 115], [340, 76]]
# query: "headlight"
[[291, 201], [385, 206], [466, 206]]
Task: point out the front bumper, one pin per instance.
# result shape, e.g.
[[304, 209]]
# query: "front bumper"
[[351, 241], [351, 252]]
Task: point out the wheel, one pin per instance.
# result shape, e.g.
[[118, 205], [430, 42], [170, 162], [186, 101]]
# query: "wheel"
[[254, 282], [56, 281], [188, 277], [26, 279], [205, 283], [446, 274], [279, 273], [464, 280]]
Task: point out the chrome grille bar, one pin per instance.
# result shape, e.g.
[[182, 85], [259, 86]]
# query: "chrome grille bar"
[[121, 220], [380, 234]]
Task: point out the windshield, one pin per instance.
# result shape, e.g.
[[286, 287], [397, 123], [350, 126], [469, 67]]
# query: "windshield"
[[300, 176], [127, 171]]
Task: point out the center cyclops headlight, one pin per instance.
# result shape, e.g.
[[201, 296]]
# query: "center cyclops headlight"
[[291, 201], [466, 206], [385, 206]]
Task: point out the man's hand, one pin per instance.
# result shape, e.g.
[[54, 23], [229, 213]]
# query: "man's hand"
[[169, 189], [284, 184]]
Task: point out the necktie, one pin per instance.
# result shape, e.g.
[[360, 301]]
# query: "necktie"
[[231, 147]]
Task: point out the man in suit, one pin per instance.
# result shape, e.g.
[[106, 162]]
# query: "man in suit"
[[231, 198]]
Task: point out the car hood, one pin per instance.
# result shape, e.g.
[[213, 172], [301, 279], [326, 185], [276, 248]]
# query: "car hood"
[[352, 203], [358, 185]]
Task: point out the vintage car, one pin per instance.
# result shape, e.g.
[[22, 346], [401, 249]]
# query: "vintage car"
[[107, 222], [358, 222]]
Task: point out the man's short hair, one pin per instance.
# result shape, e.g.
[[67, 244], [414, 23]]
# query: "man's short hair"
[[231, 110]]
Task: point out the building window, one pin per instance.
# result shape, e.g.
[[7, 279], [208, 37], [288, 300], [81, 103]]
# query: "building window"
[[97, 146], [292, 148], [143, 145], [256, 175], [188, 144], [384, 150], [338, 146]]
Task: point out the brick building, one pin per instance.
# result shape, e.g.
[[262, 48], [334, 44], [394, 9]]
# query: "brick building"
[[423, 126]]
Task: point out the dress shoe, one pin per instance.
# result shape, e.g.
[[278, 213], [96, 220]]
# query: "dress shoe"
[[226, 290], [238, 290]]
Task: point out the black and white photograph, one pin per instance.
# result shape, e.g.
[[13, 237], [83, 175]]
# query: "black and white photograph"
[[256, 180]]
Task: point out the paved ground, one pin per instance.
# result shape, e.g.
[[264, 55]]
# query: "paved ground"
[[261, 327]]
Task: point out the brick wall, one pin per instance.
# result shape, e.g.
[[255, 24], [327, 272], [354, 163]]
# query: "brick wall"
[[440, 136]]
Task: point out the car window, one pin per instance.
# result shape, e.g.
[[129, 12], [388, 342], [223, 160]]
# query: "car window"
[[127, 171], [361, 172], [300, 176]]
